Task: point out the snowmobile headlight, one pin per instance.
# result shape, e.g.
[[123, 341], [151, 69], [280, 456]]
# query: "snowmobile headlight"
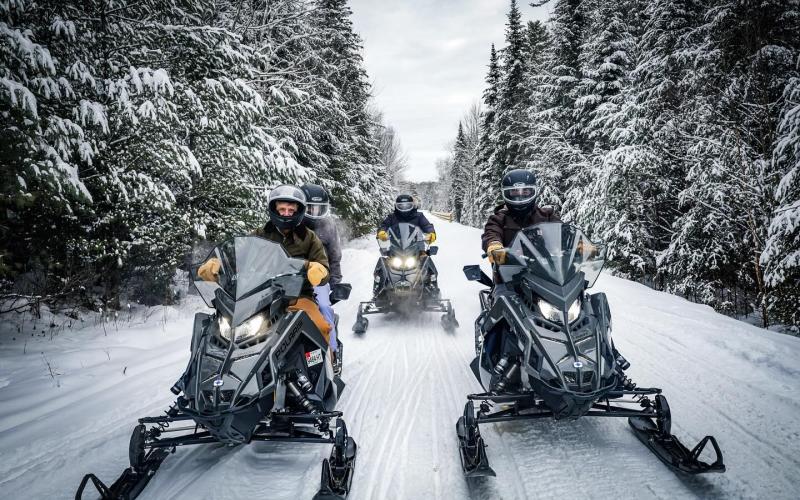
[[251, 327], [410, 262], [396, 262], [574, 311], [248, 329], [550, 312], [554, 314], [224, 327]]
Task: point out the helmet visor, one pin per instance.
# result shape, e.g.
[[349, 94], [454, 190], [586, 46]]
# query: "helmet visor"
[[317, 210], [404, 206], [519, 195]]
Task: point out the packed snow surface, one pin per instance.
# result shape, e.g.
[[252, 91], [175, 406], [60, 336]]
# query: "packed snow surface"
[[69, 399]]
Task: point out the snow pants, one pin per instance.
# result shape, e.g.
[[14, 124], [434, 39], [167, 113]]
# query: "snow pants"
[[323, 295], [310, 307]]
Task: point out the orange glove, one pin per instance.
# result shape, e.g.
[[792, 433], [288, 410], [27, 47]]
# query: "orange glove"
[[209, 271], [382, 235], [430, 238], [496, 253], [316, 273]]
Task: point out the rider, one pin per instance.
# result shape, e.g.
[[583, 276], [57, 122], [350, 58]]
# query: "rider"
[[405, 210], [287, 206], [519, 211], [317, 218]]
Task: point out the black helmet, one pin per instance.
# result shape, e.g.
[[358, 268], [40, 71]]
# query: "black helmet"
[[318, 203], [404, 203], [519, 191], [289, 193]]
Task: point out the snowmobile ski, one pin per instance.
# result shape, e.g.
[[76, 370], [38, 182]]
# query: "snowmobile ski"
[[132, 481], [667, 447], [472, 449], [337, 471]]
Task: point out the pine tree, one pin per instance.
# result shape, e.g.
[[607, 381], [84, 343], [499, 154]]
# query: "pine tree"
[[781, 257], [459, 175], [487, 181], [354, 175]]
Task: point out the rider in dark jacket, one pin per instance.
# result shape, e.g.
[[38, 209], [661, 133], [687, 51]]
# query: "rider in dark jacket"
[[405, 210], [317, 218], [519, 211]]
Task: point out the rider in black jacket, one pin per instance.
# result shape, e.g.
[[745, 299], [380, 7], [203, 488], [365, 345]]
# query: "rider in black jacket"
[[405, 210]]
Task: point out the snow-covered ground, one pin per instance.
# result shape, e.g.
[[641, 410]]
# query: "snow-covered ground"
[[406, 386]]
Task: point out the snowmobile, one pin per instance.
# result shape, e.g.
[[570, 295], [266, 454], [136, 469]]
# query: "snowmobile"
[[257, 372], [405, 279], [544, 350]]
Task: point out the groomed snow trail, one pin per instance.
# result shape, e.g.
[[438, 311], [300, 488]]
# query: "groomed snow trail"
[[406, 385]]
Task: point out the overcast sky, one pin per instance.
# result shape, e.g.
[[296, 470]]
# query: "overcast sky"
[[427, 60]]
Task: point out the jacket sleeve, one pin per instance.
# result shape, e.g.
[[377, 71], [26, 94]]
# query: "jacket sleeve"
[[335, 255], [316, 253], [386, 224], [425, 224], [492, 231]]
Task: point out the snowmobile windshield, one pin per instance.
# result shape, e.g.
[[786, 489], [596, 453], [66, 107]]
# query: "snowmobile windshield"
[[557, 252], [405, 236], [248, 266]]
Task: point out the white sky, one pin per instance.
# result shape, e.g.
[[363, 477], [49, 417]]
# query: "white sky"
[[427, 60]]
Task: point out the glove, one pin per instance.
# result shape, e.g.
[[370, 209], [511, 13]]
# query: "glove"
[[382, 235], [209, 271], [496, 253], [316, 273], [430, 238]]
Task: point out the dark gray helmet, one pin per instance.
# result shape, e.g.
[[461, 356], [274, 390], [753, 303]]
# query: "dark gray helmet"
[[519, 190], [291, 194], [318, 203], [404, 203]]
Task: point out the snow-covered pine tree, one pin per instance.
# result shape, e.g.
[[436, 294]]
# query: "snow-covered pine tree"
[[459, 175], [562, 152], [471, 121], [744, 63], [488, 183], [354, 176], [617, 203], [781, 257], [540, 126]]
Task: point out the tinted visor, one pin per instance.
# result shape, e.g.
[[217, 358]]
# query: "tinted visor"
[[518, 195], [404, 206], [317, 210]]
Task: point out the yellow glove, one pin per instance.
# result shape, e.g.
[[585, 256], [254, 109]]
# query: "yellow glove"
[[382, 235], [430, 238], [209, 271], [316, 273], [496, 253]]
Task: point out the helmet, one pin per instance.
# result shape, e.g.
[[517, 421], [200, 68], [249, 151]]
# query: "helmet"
[[404, 203], [293, 194], [318, 203], [519, 190]]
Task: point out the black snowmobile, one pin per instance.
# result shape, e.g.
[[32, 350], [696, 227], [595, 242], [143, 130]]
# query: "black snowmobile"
[[543, 350], [405, 279], [257, 372]]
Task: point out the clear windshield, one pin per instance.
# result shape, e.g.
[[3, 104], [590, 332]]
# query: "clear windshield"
[[246, 264], [558, 251], [405, 236]]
